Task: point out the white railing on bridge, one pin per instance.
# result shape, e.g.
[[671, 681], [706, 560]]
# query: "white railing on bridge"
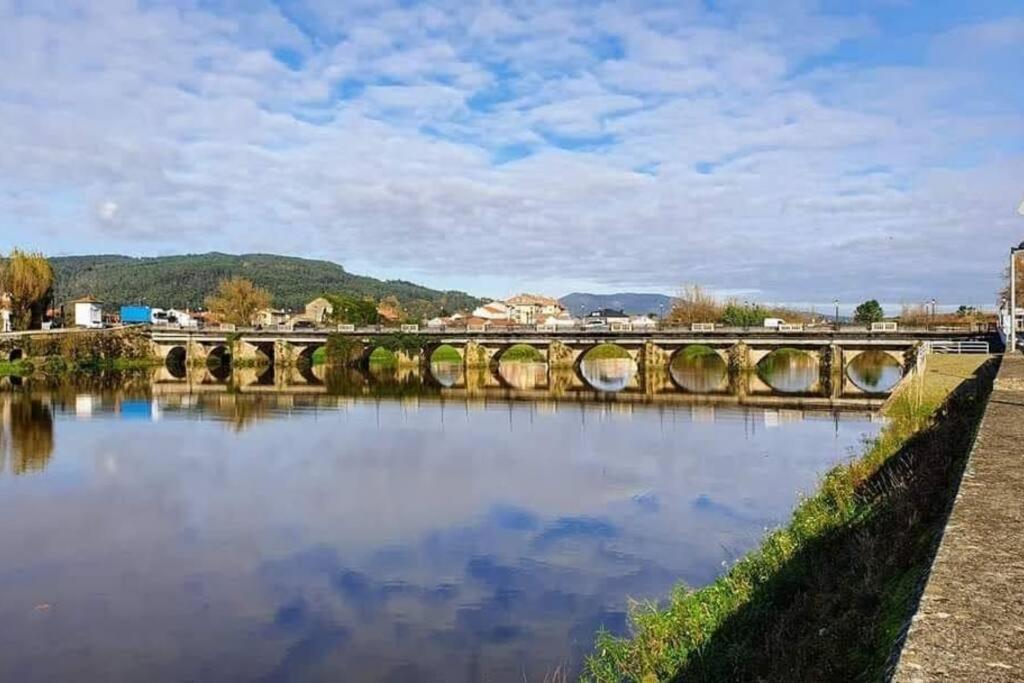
[[790, 327], [884, 326], [950, 346], [702, 327]]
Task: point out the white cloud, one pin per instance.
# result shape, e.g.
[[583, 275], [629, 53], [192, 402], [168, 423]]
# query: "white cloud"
[[156, 130]]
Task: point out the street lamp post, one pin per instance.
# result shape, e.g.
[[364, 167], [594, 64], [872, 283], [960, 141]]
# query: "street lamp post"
[[836, 302], [1012, 336]]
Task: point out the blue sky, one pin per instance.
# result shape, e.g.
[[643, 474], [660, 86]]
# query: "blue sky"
[[786, 151]]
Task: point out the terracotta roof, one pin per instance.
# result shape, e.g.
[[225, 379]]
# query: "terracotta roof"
[[532, 300]]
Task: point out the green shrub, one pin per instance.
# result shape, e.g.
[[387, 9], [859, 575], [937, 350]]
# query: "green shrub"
[[522, 353]]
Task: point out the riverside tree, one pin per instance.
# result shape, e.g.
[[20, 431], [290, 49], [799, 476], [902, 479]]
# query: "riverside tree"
[[237, 301], [695, 305], [27, 279], [358, 311], [869, 312]]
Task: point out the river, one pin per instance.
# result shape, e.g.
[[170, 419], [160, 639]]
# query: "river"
[[378, 526]]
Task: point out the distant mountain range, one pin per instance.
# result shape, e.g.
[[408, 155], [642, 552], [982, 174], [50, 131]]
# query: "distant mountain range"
[[581, 303], [186, 281]]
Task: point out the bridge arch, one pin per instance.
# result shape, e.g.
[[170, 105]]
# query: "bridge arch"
[[874, 371], [518, 353], [379, 357], [789, 370], [176, 362], [699, 369], [219, 355], [445, 353], [308, 357], [265, 351], [607, 367], [604, 351]]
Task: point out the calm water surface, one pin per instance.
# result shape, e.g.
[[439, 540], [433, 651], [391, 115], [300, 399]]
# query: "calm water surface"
[[187, 532]]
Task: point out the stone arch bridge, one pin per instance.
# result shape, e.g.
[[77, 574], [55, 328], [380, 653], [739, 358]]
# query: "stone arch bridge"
[[741, 350]]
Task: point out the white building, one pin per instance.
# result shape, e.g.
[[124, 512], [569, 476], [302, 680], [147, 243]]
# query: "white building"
[[88, 312], [6, 314], [642, 322], [269, 317], [495, 310], [561, 321], [530, 309]]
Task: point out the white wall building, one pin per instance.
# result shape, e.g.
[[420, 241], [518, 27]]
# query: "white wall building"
[[530, 309], [6, 314], [495, 310], [562, 321], [88, 312]]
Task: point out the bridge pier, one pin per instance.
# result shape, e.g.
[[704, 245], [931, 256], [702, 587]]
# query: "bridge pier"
[[284, 353], [475, 355], [739, 359], [652, 357], [831, 369], [560, 355]]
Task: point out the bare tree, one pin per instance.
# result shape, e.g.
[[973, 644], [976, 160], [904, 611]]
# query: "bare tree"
[[237, 301]]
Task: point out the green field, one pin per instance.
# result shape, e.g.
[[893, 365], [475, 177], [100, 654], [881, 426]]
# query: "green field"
[[522, 353], [445, 354], [383, 358], [607, 352]]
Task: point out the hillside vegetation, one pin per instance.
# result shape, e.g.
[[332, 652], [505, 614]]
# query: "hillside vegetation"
[[186, 281]]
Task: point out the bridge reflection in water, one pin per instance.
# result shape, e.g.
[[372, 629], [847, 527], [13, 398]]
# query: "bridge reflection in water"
[[782, 378]]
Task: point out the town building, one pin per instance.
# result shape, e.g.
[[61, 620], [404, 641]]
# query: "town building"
[[86, 312], [318, 311], [606, 316], [6, 314], [270, 317], [531, 309], [389, 311], [560, 321], [494, 310]]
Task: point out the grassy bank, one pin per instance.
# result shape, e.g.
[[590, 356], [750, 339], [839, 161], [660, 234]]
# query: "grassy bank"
[[445, 354], [56, 365], [606, 352], [16, 369], [694, 351], [383, 358], [522, 353], [828, 596]]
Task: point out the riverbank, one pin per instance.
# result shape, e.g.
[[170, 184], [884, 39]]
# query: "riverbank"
[[123, 348], [968, 626], [826, 597]]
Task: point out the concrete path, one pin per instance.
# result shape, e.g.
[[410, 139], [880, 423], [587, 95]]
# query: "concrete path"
[[970, 624]]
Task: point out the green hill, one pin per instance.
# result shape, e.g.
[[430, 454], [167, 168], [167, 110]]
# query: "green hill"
[[186, 281]]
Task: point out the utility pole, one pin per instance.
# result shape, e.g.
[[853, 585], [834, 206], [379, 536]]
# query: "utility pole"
[[1012, 336], [836, 302]]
